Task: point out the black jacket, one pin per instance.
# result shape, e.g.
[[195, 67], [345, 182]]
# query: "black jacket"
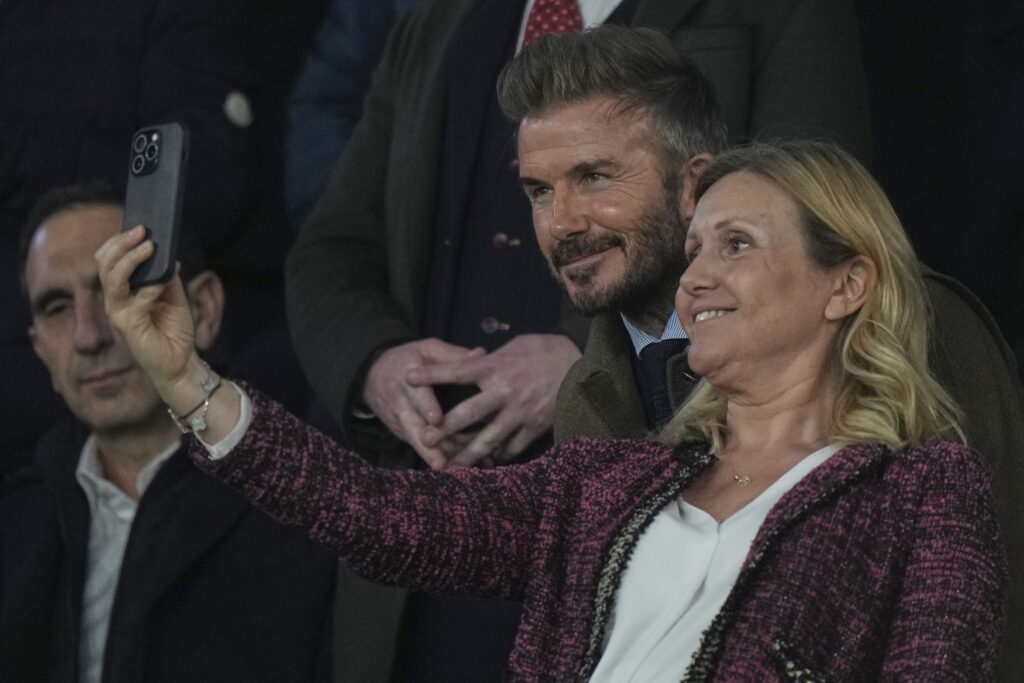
[[210, 589]]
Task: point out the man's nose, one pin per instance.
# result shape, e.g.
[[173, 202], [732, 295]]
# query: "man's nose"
[[92, 327], [568, 216]]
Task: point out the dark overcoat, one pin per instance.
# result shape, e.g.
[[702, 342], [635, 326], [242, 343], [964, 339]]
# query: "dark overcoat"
[[211, 589]]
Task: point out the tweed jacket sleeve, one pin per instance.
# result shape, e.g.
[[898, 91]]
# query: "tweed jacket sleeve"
[[471, 531]]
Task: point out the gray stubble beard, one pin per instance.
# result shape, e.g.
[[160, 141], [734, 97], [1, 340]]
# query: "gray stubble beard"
[[654, 263]]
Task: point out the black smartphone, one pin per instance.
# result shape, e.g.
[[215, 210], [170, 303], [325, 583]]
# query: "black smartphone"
[[156, 187]]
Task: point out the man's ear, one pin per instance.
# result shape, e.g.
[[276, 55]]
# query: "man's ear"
[[855, 281], [692, 171], [206, 299]]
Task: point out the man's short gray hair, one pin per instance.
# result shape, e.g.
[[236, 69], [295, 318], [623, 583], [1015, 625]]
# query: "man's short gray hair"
[[640, 68]]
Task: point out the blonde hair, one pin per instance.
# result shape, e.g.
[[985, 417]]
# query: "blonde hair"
[[886, 392]]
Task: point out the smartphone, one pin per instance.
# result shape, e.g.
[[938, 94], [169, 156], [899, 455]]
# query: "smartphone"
[[156, 187]]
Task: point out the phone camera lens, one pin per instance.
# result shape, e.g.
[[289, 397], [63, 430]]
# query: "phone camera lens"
[[139, 143], [151, 151], [138, 163]]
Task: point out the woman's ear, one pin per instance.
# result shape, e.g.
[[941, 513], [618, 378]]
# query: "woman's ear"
[[206, 299], [692, 171], [855, 281]]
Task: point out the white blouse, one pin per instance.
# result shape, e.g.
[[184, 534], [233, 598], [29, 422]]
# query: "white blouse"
[[677, 579]]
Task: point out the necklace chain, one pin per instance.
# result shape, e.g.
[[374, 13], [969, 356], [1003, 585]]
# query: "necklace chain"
[[742, 480]]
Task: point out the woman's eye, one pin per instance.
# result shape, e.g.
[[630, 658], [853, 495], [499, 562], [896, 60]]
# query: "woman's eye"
[[738, 244]]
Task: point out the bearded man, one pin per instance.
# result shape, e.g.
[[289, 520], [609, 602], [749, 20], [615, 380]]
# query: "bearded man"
[[615, 127], [609, 157]]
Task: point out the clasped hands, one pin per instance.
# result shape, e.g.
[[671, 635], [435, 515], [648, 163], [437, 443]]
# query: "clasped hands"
[[518, 384]]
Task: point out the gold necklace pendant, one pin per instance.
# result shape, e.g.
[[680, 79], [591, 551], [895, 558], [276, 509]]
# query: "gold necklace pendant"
[[741, 481]]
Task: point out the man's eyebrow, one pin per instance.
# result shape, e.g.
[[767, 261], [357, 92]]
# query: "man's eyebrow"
[[591, 165], [46, 297], [580, 169]]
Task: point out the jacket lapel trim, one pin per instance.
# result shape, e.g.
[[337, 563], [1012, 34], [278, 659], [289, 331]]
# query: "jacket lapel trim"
[[691, 459], [824, 484]]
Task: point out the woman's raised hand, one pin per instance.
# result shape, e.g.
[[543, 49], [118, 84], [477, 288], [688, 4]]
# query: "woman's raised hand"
[[155, 321]]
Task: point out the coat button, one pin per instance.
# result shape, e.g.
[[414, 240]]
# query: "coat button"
[[501, 240], [490, 325]]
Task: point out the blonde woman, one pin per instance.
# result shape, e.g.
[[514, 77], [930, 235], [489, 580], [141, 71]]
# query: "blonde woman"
[[811, 513]]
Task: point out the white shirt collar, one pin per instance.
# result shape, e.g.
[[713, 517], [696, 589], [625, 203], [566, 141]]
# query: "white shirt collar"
[[89, 472], [641, 338]]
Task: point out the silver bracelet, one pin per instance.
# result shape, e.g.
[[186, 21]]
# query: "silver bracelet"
[[195, 420]]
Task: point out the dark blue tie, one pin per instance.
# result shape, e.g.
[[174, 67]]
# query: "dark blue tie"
[[652, 379]]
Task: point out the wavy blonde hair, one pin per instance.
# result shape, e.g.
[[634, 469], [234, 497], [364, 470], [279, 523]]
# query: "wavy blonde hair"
[[886, 393]]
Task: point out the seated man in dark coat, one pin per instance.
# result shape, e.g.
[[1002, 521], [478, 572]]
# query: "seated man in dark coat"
[[120, 561]]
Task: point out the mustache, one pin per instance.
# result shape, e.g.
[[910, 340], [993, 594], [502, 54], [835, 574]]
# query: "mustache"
[[580, 247]]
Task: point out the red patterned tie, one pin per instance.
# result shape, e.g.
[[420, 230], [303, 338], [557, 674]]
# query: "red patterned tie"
[[552, 16]]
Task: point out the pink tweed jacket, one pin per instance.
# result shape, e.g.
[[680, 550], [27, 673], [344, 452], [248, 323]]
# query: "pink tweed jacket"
[[877, 566]]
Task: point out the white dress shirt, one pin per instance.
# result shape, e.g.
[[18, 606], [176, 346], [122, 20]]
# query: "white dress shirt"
[[681, 572], [111, 513]]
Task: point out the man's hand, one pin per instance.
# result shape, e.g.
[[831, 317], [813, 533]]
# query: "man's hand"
[[407, 409], [518, 384]]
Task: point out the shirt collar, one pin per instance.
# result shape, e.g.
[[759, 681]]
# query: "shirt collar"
[[641, 338], [89, 472]]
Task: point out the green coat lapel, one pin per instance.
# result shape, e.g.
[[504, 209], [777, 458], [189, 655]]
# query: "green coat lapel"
[[599, 396]]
